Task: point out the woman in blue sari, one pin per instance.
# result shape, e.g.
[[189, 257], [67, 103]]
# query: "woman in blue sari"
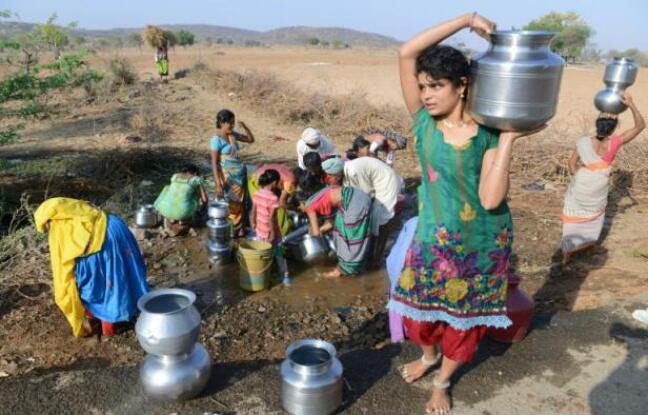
[[230, 174]]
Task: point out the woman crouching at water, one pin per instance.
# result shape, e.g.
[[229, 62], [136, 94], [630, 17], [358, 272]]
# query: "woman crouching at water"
[[351, 225], [454, 282], [97, 266]]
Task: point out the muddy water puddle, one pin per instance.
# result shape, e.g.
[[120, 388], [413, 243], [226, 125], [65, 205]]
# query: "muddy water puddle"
[[218, 285]]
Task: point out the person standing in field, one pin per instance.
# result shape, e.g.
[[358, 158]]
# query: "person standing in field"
[[586, 198], [162, 62], [454, 280]]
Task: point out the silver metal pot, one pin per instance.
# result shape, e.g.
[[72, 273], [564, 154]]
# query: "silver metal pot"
[[178, 377], [619, 75], [330, 244], [219, 252], [146, 217], [311, 378], [218, 209], [169, 323], [219, 229], [516, 82], [312, 249]]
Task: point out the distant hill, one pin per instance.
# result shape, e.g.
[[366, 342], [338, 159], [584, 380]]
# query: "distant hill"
[[286, 35]]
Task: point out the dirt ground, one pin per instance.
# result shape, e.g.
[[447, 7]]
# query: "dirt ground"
[[77, 152]]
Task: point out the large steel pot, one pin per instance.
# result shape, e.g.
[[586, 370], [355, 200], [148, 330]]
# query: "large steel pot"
[[311, 378], [146, 217], [218, 209], [619, 75], [516, 82], [219, 229], [176, 377], [169, 323]]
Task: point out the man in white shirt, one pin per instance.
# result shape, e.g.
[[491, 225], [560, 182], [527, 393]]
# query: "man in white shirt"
[[381, 182], [312, 140]]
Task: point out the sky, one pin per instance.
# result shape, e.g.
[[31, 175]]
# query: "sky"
[[620, 24]]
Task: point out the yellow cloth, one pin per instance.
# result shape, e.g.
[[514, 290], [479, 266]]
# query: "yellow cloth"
[[76, 228]]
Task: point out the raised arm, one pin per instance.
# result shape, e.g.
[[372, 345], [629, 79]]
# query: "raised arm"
[[573, 162], [494, 181], [248, 137], [639, 122], [411, 49]]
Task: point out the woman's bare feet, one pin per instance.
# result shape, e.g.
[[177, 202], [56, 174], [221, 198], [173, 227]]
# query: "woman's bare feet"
[[440, 402], [415, 370], [335, 273]]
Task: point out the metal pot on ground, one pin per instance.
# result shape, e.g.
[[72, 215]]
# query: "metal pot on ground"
[[218, 209], [146, 217], [311, 378]]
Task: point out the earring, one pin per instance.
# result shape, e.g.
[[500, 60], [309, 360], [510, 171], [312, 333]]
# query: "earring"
[[462, 96]]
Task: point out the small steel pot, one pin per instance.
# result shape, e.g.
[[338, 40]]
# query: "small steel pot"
[[218, 209], [311, 378], [146, 217], [219, 252], [312, 249], [219, 229]]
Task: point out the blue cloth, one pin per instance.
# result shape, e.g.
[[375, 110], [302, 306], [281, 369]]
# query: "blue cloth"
[[112, 280], [395, 265]]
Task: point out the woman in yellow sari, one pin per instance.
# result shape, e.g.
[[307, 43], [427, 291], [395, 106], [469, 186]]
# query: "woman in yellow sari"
[[97, 266]]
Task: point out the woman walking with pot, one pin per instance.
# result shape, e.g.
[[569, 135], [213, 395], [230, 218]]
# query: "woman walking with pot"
[[586, 198], [230, 174], [454, 282]]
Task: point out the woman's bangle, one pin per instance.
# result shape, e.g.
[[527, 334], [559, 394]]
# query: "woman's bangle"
[[472, 21]]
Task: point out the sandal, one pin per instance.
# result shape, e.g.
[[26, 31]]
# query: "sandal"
[[427, 364]]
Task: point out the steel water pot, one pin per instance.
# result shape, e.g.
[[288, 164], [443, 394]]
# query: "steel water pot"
[[169, 322], [311, 378], [218, 209], [515, 84], [219, 252], [312, 249], [146, 217], [619, 75], [176, 377], [219, 229]]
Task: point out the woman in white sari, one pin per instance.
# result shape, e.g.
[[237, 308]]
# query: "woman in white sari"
[[586, 198]]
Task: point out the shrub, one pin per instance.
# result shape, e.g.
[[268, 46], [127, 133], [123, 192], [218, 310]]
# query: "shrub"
[[122, 72]]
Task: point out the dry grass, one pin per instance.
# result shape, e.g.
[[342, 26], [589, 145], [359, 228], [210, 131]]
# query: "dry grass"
[[122, 71], [340, 116], [151, 121]]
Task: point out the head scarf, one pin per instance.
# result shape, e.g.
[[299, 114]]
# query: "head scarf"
[[333, 166], [312, 136]]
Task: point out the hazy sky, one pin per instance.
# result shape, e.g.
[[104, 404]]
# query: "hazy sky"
[[619, 24]]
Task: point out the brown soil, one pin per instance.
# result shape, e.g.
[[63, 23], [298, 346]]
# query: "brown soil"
[[34, 335]]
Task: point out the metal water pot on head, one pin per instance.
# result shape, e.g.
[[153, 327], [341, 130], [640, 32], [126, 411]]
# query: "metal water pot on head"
[[619, 75], [311, 378], [146, 217], [515, 84]]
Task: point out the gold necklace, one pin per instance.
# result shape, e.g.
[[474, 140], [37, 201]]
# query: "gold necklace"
[[453, 125]]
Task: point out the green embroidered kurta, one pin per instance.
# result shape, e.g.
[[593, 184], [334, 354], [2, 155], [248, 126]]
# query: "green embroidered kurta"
[[457, 266]]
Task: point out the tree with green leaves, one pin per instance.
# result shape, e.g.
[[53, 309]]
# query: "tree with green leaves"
[[572, 32], [23, 93], [312, 41], [185, 38]]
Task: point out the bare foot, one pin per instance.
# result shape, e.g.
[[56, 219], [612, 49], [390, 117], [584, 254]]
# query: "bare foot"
[[335, 273], [413, 371], [439, 403]]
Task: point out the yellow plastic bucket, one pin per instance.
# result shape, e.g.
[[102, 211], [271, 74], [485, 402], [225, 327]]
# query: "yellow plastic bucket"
[[255, 259]]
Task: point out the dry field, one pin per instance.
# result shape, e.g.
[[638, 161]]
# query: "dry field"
[[76, 152]]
